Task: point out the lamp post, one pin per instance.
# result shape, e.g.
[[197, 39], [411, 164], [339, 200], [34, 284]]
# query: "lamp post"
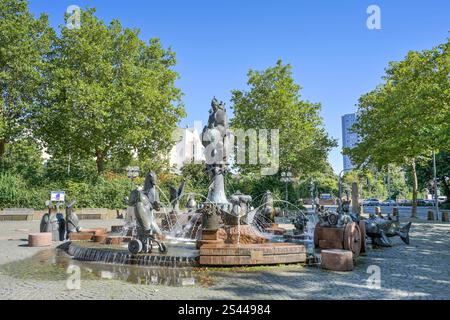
[[340, 185], [286, 177], [435, 186], [312, 189]]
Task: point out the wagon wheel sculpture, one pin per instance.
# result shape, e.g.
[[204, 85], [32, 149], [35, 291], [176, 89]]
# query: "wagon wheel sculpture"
[[352, 238]]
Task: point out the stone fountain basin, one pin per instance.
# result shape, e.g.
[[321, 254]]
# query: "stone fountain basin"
[[178, 255]]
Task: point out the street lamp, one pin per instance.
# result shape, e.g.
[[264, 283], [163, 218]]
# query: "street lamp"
[[286, 177], [435, 186]]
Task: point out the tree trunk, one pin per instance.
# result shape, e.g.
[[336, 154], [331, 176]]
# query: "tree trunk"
[[415, 187], [100, 161], [2, 147]]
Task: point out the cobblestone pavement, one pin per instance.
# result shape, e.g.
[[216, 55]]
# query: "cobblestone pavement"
[[417, 271]]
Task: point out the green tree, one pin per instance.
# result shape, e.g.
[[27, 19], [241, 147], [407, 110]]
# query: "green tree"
[[325, 181], [23, 158], [108, 94], [273, 101], [406, 118], [425, 173], [24, 44]]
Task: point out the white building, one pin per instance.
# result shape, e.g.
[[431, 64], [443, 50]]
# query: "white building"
[[188, 149], [349, 138]]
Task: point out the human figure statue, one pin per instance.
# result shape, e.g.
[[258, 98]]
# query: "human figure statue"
[[72, 221], [145, 202], [215, 139], [53, 222], [175, 196]]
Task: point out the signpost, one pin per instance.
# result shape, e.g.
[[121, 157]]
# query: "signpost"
[[57, 196]]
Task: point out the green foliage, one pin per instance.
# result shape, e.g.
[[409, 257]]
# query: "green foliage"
[[103, 193], [425, 173], [23, 157], [407, 116], [256, 185], [108, 94], [24, 43], [404, 119], [273, 101], [197, 179], [14, 193]]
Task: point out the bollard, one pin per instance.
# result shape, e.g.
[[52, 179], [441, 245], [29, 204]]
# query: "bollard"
[[42, 239], [378, 211], [430, 215], [444, 216]]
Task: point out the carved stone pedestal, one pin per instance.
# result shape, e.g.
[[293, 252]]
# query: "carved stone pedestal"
[[210, 237]]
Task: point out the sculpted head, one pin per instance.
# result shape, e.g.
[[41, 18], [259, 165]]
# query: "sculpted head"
[[150, 180]]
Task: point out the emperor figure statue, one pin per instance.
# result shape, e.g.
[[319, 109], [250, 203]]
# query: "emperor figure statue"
[[215, 139]]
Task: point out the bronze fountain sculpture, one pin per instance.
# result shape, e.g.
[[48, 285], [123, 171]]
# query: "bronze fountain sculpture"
[[145, 202]]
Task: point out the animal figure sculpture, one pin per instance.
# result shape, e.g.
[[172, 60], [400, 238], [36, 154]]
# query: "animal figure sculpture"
[[268, 210], [379, 230], [175, 196], [299, 223], [240, 207], [191, 204]]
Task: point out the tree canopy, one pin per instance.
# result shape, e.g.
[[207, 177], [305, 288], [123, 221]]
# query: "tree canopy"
[[108, 94], [406, 117], [24, 44], [273, 101]]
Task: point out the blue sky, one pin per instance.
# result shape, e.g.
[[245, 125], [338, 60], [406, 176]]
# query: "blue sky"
[[335, 57]]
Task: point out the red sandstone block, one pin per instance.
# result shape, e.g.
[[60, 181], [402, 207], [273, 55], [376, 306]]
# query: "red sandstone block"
[[329, 244], [101, 238], [43, 239], [95, 231], [218, 242], [81, 236], [210, 235], [337, 260]]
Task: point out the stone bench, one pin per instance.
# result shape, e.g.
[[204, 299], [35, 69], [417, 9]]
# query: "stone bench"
[[16, 214], [95, 214]]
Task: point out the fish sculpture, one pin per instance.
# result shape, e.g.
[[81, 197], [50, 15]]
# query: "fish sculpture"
[[380, 230]]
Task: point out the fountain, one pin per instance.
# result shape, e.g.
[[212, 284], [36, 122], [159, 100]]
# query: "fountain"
[[219, 231]]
